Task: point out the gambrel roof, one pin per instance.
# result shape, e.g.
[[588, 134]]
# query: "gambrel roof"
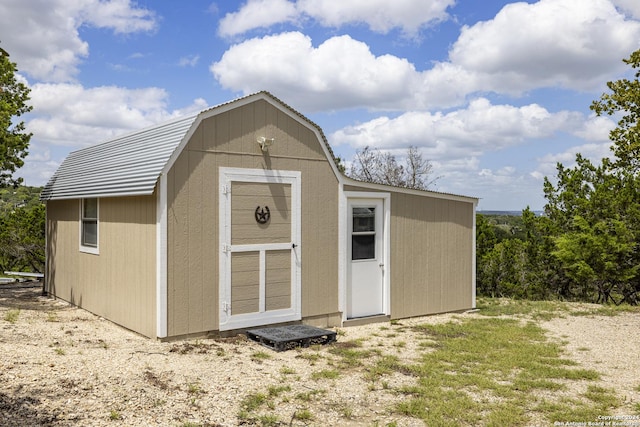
[[130, 165]]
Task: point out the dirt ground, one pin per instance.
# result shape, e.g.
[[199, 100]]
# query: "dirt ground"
[[62, 366]]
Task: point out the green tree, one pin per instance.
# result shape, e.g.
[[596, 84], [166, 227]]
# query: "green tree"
[[502, 272], [22, 239], [14, 141], [598, 257], [624, 99], [595, 210], [485, 237]]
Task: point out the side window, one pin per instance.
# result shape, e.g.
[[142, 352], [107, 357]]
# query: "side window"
[[89, 226]]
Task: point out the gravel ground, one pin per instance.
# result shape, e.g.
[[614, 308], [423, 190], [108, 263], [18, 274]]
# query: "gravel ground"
[[62, 366]]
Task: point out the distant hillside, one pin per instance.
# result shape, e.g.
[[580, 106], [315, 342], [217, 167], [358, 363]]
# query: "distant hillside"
[[507, 213], [11, 198]]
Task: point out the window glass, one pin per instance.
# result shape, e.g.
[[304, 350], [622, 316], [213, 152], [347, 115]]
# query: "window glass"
[[89, 232], [90, 209], [364, 219], [363, 246]]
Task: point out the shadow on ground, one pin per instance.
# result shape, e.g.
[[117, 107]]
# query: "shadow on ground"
[[25, 296]]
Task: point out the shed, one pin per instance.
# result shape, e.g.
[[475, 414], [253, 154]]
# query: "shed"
[[237, 217]]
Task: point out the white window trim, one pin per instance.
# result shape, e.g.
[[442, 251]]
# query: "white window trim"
[[90, 249]]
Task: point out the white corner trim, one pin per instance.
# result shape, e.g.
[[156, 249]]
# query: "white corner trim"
[[161, 258], [473, 260], [342, 251]]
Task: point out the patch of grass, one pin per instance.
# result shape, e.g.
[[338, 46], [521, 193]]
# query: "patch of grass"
[[52, 316], [268, 420], [194, 388], [275, 391], [542, 310], [60, 351], [329, 374], [347, 412], [384, 365], [350, 353], [608, 310], [285, 370], [492, 370], [114, 415], [253, 401], [303, 415], [603, 398], [11, 316], [310, 395], [259, 356], [311, 357]]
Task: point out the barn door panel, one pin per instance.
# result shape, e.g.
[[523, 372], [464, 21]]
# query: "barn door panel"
[[259, 259]]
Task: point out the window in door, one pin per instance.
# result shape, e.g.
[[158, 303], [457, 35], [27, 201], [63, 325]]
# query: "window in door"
[[363, 236]]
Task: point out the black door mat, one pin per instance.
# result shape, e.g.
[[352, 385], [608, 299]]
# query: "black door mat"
[[282, 338]]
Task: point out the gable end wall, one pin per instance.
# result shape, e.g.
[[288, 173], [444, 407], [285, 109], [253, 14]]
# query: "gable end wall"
[[228, 139]]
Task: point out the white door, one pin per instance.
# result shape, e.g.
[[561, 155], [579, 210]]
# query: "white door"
[[365, 294], [260, 241]]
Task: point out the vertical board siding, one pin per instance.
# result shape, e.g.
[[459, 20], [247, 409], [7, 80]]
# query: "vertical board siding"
[[119, 283], [431, 252], [278, 279], [229, 139], [245, 282]]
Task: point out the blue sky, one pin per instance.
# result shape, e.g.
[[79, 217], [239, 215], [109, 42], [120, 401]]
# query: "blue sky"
[[493, 93]]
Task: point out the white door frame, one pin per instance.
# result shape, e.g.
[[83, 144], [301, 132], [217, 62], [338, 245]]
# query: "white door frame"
[[227, 321], [345, 256]]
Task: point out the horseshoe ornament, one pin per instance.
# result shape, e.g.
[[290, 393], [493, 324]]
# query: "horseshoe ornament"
[[262, 215]]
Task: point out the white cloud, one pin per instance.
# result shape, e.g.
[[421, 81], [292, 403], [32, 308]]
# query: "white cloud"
[[551, 43], [595, 152], [380, 16], [189, 61], [569, 43], [42, 35], [632, 7], [595, 129], [120, 15], [339, 73], [70, 115], [257, 14], [472, 131]]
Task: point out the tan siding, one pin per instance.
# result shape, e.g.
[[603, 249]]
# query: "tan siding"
[[119, 283], [246, 197], [245, 282], [431, 250], [278, 280], [229, 140]]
